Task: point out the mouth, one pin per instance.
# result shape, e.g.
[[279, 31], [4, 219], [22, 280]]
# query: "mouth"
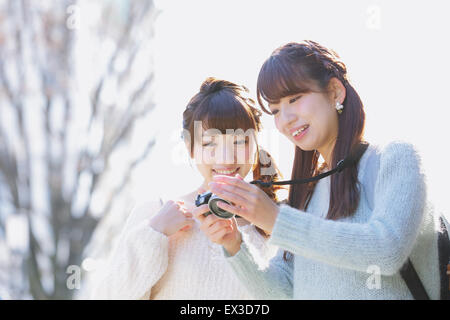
[[300, 132], [226, 172]]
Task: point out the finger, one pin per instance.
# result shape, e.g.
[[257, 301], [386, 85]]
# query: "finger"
[[217, 236], [219, 225], [188, 224], [198, 212], [232, 195], [246, 194], [237, 210], [209, 221], [234, 181], [187, 214]]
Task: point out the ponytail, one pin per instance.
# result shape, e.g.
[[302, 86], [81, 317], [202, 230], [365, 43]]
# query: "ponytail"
[[266, 170]]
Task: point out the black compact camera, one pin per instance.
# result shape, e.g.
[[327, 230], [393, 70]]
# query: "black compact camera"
[[212, 200]]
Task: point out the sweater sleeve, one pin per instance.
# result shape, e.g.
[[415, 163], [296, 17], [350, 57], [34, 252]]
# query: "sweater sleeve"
[[264, 282], [385, 240], [136, 263]]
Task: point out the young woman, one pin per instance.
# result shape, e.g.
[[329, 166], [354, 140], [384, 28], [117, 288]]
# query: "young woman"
[[161, 253], [348, 235]]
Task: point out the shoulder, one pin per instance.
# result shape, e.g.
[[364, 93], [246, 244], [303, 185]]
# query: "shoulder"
[[392, 154], [400, 155], [395, 160], [142, 211], [145, 207], [400, 164], [400, 148]]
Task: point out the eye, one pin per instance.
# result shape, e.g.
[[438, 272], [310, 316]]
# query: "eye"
[[208, 144], [274, 112], [242, 141], [294, 99]]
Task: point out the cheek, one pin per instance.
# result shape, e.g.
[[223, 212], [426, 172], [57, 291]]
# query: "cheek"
[[278, 124], [204, 170]]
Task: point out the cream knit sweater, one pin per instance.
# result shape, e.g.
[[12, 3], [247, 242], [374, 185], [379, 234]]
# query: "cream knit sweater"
[[146, 264]]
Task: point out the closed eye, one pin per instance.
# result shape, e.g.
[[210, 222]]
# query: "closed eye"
[[242, 141], [294, 99], [274, 112]]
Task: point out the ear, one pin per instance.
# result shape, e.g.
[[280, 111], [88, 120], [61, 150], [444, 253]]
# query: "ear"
[[337, 90]]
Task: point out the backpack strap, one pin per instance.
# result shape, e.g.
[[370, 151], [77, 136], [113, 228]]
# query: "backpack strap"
[[411, 277], [444, 259], [413, 282]]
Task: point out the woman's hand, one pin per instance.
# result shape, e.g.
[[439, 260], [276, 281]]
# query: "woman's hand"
[[171, 218], [250, 202], [221, 231]]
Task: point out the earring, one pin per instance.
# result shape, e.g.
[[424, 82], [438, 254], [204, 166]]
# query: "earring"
[[339, 107]]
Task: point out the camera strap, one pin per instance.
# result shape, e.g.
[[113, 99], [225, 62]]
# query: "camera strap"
[[349, 161]]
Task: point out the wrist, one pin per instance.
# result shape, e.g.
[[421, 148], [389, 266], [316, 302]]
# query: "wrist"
[[234, 247], [273, 219], [157, 226]]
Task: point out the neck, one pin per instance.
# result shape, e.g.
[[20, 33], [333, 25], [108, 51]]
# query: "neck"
[[327, 151], [204, 186]]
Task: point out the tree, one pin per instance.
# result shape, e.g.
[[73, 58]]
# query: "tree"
[[75, 79]]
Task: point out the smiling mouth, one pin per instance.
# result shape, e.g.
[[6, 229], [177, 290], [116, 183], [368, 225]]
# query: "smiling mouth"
[[299, 131], [226, 172]]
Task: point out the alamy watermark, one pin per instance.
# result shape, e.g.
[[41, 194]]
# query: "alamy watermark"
[[206, 155], [373, 282]]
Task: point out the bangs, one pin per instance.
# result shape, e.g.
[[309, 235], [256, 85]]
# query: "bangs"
[[280, 78], [224, 111]]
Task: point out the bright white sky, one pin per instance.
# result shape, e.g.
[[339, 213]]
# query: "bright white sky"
[[395, 54]]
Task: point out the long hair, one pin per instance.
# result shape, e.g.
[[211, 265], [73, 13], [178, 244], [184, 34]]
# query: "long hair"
[[223, 105], [302, 68]]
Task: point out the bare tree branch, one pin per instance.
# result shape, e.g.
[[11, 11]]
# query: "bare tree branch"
[[37, 75]]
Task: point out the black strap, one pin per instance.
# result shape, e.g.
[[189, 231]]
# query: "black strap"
[[444, 258], [341, 165], [413, 282], [412, 279]]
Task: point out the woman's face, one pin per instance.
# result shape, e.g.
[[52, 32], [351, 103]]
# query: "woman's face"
[[309, 120], [225, 154]]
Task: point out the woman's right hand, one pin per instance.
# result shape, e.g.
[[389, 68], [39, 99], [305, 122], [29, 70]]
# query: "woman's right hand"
[[171, 218], [221, 231]]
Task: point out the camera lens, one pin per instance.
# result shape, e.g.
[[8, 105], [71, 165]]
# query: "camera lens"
[[218, 211]]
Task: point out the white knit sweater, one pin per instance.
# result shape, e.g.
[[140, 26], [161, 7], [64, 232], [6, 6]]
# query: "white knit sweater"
[[146, 264]]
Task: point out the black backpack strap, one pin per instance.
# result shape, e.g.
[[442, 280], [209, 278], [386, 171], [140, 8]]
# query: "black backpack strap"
[[411, 278], [444, 259], [413, 282]]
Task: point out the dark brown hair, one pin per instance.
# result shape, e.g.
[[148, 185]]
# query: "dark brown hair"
[[223, 105], [308, 67]]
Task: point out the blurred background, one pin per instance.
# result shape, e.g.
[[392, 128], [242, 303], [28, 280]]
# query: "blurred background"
[[92, 94]]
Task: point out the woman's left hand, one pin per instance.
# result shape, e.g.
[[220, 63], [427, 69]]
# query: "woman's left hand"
[[250, 202]]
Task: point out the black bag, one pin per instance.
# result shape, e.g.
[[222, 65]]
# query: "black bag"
[[411, 277]]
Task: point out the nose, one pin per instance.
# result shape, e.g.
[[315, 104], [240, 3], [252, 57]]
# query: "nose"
[[226, 154], [287, 116]]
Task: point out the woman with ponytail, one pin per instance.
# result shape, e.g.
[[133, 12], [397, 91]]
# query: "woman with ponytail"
[[349, 235], [161, 253]]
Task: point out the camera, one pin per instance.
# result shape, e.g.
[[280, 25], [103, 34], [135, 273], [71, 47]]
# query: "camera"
[[212, 200]]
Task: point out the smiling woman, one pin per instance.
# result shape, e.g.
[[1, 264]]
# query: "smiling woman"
[[220, 126], [374, 214], [161, 253]]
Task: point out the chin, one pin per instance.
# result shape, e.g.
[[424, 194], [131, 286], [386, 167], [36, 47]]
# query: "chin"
[[304, 146]]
